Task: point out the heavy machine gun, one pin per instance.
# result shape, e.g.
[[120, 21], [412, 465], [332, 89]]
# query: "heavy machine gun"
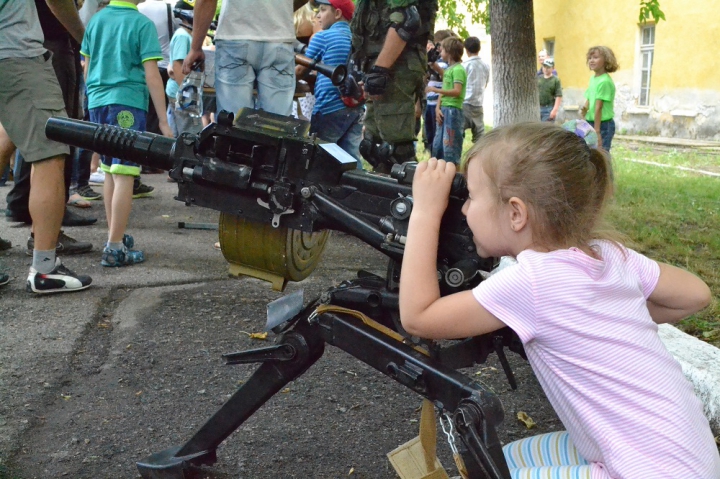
[[280, 192]]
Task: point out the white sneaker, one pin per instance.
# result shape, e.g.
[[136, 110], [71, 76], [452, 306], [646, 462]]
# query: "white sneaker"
[[98, 177]]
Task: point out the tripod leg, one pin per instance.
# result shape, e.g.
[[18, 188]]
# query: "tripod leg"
[[265, 382]]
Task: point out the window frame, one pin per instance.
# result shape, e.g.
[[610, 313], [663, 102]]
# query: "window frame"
[[646, 55]]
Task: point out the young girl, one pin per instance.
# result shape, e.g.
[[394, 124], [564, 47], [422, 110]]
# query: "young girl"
[[584, 306], [599, 108]]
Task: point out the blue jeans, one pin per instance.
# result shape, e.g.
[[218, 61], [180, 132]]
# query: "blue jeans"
[[342, 127], [429, 122], [448, 141], [607, 131], [545, 113], [240, 63]]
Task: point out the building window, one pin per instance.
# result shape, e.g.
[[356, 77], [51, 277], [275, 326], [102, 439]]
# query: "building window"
[[647, 51], [550, 47]]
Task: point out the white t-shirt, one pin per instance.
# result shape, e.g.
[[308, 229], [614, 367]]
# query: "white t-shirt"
[[157, 11], [257, 20], [595, 350]]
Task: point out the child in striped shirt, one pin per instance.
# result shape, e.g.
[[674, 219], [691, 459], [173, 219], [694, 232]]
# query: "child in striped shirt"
[[585, 307], [331, 119]]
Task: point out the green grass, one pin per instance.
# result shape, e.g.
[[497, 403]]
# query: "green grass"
[[673, 216], [669, 214]]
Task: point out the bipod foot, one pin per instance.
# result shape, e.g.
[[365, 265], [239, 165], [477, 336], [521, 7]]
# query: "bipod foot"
[[168, 465]]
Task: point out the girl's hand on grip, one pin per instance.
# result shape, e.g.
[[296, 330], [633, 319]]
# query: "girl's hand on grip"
[[431, 186]]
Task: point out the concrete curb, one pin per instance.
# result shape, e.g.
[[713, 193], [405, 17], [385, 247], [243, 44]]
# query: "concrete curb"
[[701, 364]]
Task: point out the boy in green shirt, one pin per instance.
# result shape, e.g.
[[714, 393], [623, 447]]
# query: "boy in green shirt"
[[448, 140], [121, 51]]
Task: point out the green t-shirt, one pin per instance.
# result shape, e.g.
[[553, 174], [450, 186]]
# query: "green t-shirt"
[[549, 89], [454, 74], [118, 40], [601, 88]]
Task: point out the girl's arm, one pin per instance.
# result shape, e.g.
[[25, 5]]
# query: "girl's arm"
[[678, 294], [598, 119], [157, 95], [422, 311]]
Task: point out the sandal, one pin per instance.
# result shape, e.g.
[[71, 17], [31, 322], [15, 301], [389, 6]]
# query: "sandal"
[[78, 201]]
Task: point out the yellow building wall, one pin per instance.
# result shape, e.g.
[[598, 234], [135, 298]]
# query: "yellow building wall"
[[685, 44], [684, 88]]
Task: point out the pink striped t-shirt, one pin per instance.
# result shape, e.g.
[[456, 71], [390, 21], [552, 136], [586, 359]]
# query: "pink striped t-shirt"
[[595, 350]]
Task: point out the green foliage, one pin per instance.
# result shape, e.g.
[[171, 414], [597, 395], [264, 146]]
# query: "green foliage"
[[479, 12], [650, 9]]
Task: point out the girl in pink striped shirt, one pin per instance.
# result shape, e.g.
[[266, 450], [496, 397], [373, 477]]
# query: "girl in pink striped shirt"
[[585, 307]]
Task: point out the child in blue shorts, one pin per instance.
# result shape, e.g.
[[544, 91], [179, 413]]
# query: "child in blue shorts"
[[121, 51]]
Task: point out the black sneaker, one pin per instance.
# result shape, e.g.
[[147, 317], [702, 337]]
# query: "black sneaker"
[[59, 280], [5, 244], [87, 193], [65, 245], [141, 190], [73, 219], [4, 279]]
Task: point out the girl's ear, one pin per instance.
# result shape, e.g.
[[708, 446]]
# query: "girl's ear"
[[517, 213]]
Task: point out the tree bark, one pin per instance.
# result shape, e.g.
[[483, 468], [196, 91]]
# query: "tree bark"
[[512, 29]]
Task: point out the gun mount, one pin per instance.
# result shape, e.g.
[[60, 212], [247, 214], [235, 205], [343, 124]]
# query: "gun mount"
[[275, 186]]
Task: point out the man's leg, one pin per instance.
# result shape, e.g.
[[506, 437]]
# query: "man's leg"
[[390, 119], [46, 201]]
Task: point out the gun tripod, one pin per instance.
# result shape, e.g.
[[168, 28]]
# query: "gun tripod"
[[340, 318]]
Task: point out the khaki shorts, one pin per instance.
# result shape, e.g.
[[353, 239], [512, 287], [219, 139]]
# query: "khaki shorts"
[[30, 95]]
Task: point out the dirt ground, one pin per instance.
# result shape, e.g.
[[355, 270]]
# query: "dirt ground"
[[136, 386]]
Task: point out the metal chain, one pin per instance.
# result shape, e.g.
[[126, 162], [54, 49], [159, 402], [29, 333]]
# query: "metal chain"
[[449, 432]]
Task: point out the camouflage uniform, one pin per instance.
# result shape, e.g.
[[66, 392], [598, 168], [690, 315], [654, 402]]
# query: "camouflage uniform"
[[390, 119]]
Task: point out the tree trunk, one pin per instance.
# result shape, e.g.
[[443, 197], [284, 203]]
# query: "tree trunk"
[[512, 29]]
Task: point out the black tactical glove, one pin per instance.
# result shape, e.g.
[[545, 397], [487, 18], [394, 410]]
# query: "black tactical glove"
[[377, 80]]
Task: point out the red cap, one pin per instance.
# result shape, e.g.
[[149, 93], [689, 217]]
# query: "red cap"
[[347, 7]]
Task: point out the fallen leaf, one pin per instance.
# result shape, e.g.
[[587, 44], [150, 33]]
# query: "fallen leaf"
[[138, 393], [258, 335], [166, 216], [285, 391], [525, 419], [65, 396], [352, 471]]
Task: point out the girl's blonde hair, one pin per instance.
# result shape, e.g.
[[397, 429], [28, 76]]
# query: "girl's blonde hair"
[[565, 183], [611, 64], [303, 19]]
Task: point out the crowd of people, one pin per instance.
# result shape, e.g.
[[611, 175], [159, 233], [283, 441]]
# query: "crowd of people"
[[584, 306]]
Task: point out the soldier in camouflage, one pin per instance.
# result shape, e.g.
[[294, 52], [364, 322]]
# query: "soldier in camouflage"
[[389, 46]]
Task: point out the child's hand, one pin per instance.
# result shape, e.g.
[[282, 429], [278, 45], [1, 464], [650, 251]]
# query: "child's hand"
[[165, 129], [429, 89], [431, 186], [439, 117]]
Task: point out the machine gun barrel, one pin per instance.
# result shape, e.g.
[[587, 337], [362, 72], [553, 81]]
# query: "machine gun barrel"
[[140, 147], [336, 74]]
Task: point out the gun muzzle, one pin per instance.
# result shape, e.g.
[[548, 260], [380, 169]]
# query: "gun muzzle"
[[143, 148], [336, 74]]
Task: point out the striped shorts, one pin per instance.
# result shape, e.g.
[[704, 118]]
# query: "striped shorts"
[[546, 456]]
